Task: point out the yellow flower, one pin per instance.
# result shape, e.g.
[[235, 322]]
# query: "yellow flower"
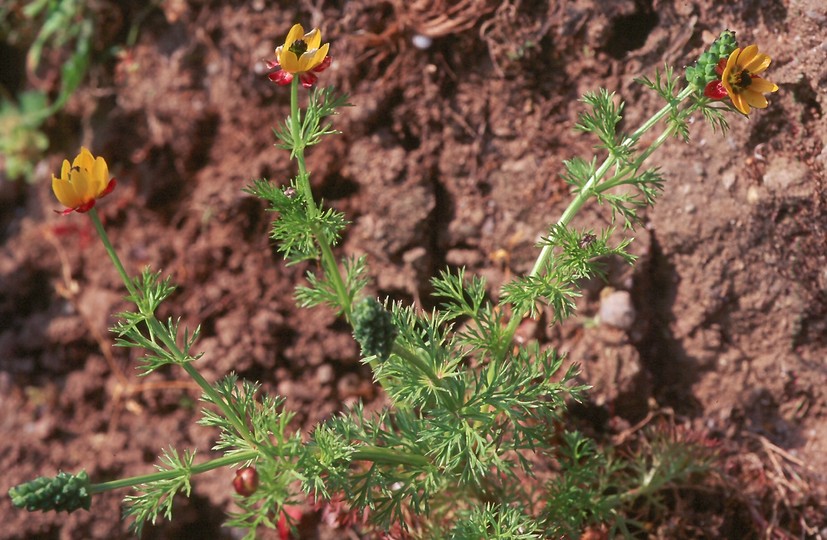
[[303, 55], [739, 79], [82, 183]]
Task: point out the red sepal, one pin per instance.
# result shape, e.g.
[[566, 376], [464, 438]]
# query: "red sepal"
[[719, 67], [110, 187], [715, 90], [324, 65], [281, 77], [85, 207], [308, 79]]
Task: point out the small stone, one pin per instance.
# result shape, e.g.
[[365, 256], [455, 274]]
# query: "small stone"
[[753, 195], [616, 309], [324, 373], [728, 180], [422, 42], [786, 175]]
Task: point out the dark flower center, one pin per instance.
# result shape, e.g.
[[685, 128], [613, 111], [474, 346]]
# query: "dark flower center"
[[741, 80], [299, 47]]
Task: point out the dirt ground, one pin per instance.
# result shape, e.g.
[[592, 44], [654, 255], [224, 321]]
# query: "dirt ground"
[[451, 155]]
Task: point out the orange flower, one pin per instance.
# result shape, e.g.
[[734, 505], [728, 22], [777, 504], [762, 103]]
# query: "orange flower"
[[740, 80], [82, 183], [303, 55]]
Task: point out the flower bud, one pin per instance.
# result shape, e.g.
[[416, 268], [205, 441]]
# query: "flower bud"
[[245, 482]]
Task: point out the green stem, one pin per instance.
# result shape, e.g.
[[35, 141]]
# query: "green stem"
[[329, 264], [583, 195], [217, 463], [623, 176], [375, 454], [417, 362], [157, 329], [380, 454], [107, 245]]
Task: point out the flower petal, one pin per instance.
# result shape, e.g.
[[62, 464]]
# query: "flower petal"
[[747, 55], [84, 159], [296, 32], [64, 192], [313, 39], [100, 176], [740, 103], [755, 99], [320, 56], [305, 61], [324, 65], [762, 86], [290, 62], [727, 87], [731, 62], [758, 64]]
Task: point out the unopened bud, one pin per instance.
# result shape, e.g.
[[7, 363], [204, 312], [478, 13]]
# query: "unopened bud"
[[245, 482]]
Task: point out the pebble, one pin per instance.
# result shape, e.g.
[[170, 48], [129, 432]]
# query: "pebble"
[[422, 42], [786, 175], [616, 309], [753, 195], [728, 180], [324, 373]]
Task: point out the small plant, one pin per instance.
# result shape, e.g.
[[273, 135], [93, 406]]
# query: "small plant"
[[471, 414], [60, 23], [46, 26]]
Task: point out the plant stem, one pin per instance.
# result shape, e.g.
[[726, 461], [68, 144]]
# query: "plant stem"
[[329, 264], [217, 463], [586, 192], [380, 454], [157, 329], [127, 281], [416, 361]]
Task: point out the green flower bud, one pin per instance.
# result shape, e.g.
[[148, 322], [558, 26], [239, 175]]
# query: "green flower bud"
[[703, 71], [64, 492], [373, 328]]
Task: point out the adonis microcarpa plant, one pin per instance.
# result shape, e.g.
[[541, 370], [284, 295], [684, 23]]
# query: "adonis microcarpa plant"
[[471, 414]]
